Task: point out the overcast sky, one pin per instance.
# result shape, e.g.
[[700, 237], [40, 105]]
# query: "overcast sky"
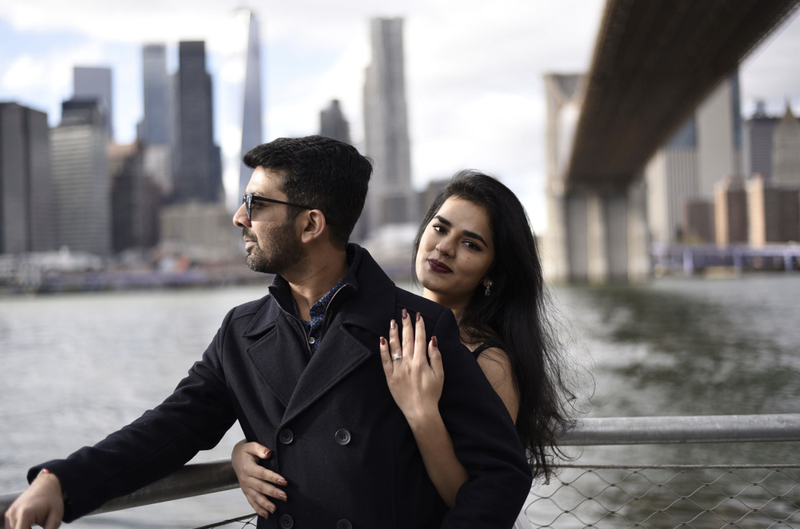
[[473, 69]]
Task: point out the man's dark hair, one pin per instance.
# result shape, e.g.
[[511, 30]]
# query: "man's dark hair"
[[322, 173]]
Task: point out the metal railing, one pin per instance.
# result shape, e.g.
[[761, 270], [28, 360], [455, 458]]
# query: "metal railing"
[[592, 494]]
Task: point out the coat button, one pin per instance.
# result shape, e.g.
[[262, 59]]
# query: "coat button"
[[286, 437], [312, 340], [286, 521], [343, 438], [344, 524]]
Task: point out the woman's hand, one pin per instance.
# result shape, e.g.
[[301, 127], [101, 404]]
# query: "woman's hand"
[[416, 384], [258, 483]]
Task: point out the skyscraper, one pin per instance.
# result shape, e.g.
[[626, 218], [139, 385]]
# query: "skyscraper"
[[719, 136], [730, 211], [773, 212], [196, 164], [155, 83], [95, 84], [391, 197], [332, 123], [135, 199], [81, 189], [26, 199], [706, 149], [251, 118], [786, 151], [757, 143]]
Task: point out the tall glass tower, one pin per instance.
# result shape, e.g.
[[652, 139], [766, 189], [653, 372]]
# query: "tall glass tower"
[[251, 118], [391, 198], [196, 159]]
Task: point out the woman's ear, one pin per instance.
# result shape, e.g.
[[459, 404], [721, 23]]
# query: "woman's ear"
[[314, 226]]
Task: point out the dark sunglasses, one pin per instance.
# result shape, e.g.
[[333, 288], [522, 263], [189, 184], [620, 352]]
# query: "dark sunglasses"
[[249, 198]]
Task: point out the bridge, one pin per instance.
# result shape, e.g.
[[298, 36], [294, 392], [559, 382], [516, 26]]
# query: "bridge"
[[654, 62]]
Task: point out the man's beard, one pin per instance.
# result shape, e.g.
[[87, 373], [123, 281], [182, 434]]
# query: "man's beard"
[[277, 252]]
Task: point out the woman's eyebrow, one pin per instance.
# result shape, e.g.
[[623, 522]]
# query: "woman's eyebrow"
[[443, 220], [474, 236], [465, 232]]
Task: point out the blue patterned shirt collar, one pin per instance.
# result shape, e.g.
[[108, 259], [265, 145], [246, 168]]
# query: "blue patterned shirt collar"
[[313, 328]]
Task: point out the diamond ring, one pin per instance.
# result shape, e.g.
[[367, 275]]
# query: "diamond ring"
[[397, 356]]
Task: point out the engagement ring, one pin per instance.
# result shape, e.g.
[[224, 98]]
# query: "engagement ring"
[[397, 356]]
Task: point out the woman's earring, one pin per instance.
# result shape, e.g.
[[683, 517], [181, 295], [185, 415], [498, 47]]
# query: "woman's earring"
[[488, 291]]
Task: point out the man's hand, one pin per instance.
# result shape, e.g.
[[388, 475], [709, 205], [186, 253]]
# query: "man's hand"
[[41, 504]]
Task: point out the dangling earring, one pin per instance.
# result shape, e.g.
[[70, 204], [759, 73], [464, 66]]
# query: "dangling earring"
[[488, 291]]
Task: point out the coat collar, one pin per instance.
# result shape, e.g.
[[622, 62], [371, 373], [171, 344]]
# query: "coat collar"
[[368, 297], [367, 300]]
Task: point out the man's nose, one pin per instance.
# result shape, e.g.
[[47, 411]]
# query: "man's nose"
[[240, 219]]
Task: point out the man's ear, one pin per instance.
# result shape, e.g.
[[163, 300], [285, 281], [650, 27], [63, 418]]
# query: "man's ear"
[[314, 225]]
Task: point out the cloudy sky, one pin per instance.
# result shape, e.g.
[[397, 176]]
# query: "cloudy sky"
[[473, 69]]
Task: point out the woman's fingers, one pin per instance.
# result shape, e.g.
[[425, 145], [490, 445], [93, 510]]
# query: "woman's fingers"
[[264, 487], [267, 475], [257, 450], [419, 340], [395, 347], [435, 358], [386, 357], [408, 336], [260, 504]]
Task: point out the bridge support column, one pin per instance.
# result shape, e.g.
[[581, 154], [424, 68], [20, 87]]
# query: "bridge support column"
[[597, 237]]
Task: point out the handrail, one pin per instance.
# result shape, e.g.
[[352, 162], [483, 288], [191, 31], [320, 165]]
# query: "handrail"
[[686, 429], [205, 478], [191, 480]]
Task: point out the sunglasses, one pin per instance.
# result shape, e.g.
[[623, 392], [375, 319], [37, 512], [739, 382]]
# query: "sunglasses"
[[249, 198]]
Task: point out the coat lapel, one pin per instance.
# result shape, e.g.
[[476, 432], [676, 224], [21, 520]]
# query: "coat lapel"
[[280, 355], [275, 354], [369, 305], [338, 355]]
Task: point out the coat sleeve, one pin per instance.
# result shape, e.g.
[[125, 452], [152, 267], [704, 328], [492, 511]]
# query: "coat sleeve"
[[195, 417], [484, 438]]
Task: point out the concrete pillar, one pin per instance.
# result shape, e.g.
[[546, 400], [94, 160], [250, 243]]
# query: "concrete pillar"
[[596, 240], [638, 233], [597, 237], [553, 251], [577, 237], [618, 245]]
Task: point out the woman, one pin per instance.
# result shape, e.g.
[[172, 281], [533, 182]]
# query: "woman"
[[475, 254]]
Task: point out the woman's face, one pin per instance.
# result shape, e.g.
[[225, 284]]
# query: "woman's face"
[[455, 252]]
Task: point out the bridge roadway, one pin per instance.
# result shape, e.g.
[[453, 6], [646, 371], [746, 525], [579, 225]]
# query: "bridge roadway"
[[654, 62]]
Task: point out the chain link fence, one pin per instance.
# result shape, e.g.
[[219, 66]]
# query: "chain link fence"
[[669, 496], [658, 497]]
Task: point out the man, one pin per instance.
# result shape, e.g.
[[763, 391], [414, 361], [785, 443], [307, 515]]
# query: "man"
[[301, 371]]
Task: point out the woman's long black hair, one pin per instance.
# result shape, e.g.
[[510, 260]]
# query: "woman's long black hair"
[[514, 315]]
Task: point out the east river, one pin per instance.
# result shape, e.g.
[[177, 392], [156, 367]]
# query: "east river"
[[76, 366]]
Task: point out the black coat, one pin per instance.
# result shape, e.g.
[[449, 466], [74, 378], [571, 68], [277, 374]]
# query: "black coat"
[[336, 434]]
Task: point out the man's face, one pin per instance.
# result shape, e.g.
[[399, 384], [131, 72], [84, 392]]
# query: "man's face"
[[272, 242]]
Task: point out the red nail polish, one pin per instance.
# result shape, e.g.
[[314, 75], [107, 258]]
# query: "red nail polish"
[[383, 340], [419, 316], [405, 314], [435, 342]]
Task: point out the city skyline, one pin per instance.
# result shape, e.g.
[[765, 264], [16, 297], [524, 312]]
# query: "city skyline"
[[474, 74]]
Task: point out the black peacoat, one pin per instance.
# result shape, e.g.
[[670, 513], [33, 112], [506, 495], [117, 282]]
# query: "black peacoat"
[[336, 434]]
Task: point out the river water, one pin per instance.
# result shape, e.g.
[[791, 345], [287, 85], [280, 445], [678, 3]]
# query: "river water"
[[76, 366]]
